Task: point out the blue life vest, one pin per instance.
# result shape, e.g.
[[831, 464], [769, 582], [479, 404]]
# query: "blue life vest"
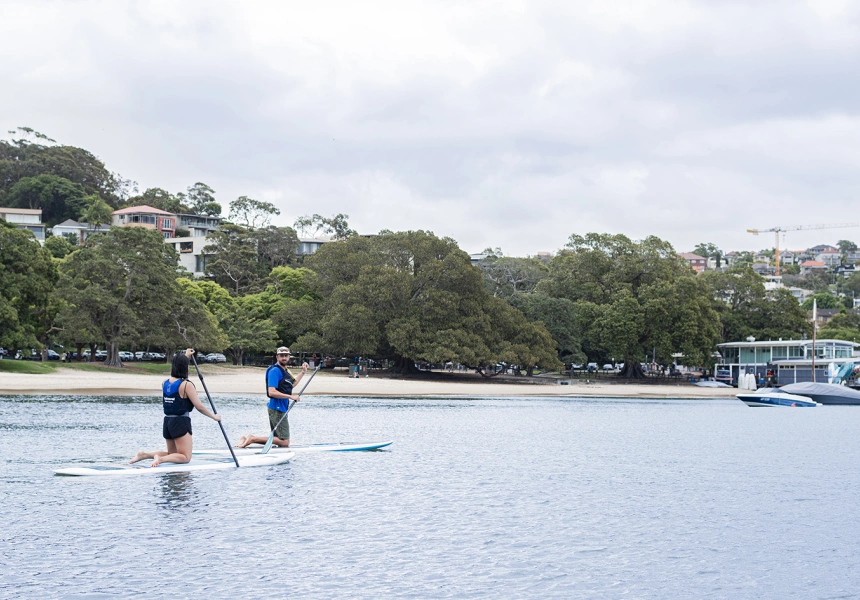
[[285, 386], [174, 404]]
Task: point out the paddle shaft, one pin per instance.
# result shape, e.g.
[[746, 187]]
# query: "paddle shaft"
[[214, 411]]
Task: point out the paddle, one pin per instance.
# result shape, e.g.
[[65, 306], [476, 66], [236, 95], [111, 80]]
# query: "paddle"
[[271, 439], [220, 424]]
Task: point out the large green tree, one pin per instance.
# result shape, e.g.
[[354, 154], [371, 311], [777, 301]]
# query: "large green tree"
[[31, 154], [27, 278], [412, 296], [632, 296], [200, 199], [121, 287], [561, 318]]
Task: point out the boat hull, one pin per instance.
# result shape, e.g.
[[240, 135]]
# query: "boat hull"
[[760, 399]]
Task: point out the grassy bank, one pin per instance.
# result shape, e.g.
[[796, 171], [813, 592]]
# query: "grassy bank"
[[26, 367], [40, 368], [137, 368]]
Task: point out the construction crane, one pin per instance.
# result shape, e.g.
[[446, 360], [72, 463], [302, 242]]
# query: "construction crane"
[[777, 231]]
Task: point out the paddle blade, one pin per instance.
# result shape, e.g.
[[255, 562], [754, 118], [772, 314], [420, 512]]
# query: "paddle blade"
[[268, 445], [271, 439]]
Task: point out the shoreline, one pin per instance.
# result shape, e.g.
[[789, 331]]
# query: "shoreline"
[[249, 381]]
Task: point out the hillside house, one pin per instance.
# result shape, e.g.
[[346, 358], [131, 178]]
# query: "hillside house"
[[25, 218], [698, 263], [148, 217]]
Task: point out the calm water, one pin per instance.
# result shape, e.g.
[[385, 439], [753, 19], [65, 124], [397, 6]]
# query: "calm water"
[[476, 498]]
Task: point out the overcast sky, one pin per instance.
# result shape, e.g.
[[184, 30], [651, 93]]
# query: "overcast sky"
[[503, 124]]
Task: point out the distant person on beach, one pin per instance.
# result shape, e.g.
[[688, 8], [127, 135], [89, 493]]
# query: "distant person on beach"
[[179, 398], [279, 389]]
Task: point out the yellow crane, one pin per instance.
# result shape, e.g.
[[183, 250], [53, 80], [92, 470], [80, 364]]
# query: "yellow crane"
[[777, 231]]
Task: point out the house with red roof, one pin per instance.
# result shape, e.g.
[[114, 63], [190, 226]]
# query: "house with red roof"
[[146, 216], [812, 265], [698, 263]]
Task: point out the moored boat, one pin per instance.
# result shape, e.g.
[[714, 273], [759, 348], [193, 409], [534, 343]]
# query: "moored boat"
[[824, 393], [775, 397]]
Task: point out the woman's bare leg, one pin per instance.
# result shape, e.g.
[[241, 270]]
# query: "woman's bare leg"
[[143, 455], [181, 451]]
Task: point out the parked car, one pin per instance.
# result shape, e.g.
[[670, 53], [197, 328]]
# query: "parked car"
[[592, 367], [156, 355], [215, 357], [608, 367], [101, 354], [142, 356], [126, 356], [53, 355]]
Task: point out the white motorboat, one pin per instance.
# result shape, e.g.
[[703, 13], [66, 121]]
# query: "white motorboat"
[[775, 397]]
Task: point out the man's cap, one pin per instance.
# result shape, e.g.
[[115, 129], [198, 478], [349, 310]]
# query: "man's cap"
[[282, 350]]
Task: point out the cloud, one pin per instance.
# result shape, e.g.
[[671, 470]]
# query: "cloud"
[[508, 124]]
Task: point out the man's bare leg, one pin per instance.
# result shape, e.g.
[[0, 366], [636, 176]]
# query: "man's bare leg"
[[258, 439]]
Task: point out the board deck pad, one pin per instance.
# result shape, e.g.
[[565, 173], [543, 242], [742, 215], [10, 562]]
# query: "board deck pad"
[[298, 448], [196, 464]]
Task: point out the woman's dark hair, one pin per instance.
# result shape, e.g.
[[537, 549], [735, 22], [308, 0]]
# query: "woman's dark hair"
[[179, 368]]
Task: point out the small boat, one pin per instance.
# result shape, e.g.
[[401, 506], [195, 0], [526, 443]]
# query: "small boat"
[[775, 397], [824, 393], [711, 383]]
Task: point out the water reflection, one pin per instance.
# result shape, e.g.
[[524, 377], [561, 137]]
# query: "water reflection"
[[178, 491]]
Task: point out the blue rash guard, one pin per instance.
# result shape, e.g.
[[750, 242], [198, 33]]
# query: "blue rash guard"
[[280, 379]]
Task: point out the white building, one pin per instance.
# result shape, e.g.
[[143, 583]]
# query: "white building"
[[310, 245], [25, 218], [199, 225], [191, 255], [81, 231]]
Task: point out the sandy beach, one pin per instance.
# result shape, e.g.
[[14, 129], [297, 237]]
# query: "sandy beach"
[[249, 380]]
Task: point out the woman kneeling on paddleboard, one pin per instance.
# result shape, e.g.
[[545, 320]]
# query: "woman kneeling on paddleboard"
[[179, 399]]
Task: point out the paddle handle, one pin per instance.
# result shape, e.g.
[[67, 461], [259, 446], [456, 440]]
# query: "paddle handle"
[[212, 404], [302, 391]]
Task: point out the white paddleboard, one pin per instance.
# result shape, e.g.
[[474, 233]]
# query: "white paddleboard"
[[332, 447], [196, 464]]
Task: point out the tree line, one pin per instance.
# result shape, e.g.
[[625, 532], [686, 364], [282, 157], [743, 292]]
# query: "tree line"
[[406, 296]]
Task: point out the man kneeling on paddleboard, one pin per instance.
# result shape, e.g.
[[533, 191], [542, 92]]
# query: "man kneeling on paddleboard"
[[279, 389], [179, 398]]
